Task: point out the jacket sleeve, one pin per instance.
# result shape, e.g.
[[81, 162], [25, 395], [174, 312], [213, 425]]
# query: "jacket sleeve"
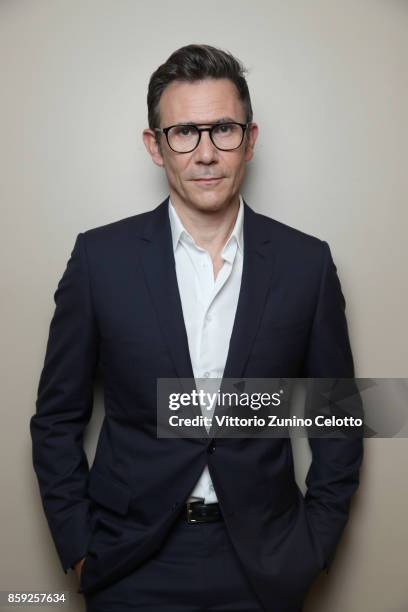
[[63, 409], [333, 475]]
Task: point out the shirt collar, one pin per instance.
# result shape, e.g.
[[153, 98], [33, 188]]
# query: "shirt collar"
[[178, 230]]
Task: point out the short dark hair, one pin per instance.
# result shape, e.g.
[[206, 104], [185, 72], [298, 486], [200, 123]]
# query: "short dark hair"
[[194, 63]]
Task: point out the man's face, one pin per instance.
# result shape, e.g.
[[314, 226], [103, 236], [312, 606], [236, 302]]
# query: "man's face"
[[202, 102]]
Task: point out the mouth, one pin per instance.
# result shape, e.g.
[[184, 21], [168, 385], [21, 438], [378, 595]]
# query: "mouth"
[[210, 179]]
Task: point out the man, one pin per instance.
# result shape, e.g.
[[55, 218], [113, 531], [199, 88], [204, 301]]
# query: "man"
[[201, 286]]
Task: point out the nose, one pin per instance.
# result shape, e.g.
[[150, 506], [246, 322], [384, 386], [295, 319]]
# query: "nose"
[[206, 152]]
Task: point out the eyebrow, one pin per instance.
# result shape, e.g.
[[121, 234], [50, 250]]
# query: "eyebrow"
[[216, 122]]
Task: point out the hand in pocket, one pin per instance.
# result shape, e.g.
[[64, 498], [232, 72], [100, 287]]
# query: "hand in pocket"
[[78, 567]]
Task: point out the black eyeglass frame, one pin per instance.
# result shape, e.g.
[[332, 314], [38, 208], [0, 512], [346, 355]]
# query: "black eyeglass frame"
[[166, 130]]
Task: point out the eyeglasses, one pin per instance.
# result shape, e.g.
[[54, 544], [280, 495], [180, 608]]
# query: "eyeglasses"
[[184, 138]]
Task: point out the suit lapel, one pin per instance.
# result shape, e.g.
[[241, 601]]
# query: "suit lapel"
[[161, 278], [257, 271], [256, 274]]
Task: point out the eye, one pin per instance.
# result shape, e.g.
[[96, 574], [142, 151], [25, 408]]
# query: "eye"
[[183, 130], [224, 128]]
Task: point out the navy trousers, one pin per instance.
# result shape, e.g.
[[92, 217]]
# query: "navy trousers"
[[196, 570]]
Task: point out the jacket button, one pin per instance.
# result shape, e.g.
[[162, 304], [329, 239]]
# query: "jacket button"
[[211, 448]]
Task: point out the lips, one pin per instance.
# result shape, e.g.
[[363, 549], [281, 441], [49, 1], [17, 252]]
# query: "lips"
[[208, 179]]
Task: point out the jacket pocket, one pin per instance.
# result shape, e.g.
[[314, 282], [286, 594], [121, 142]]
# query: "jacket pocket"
[[109, 493]]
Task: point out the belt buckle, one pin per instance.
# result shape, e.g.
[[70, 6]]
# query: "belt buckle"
[[190, 520]]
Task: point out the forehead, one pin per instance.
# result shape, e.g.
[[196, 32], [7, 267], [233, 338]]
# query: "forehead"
[[200, 102]]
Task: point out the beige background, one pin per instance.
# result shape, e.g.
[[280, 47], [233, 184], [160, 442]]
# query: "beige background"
[[329, 88]]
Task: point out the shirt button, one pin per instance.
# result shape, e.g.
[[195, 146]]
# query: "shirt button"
[[206, 374], [208, 318]]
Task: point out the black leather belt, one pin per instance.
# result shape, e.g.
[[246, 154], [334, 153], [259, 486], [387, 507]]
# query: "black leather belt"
[[199, 512]]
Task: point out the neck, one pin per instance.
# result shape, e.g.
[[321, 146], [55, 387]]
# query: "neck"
[[209, 229]]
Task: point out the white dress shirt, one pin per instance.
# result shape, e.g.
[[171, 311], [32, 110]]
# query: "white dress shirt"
[[209, 307]]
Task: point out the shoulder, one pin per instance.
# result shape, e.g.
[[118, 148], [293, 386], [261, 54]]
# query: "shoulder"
[[281, 231], [118, 236], [110, 245], [291, 243], [117, 230]]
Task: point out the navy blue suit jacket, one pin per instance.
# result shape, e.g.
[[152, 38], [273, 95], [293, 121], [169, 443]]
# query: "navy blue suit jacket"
[[118, 310]]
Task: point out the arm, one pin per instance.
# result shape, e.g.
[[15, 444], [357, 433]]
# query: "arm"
[[63, 409], [333, 475]]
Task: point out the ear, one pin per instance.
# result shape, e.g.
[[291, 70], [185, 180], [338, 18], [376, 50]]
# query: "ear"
[[250, 139], [152, 146]]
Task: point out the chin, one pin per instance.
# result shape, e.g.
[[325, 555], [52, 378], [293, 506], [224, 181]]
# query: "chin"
[[209, 204], [210, 200]]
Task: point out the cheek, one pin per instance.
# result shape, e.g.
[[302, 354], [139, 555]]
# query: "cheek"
[[238, 169], [235, 164], [177, 169]]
